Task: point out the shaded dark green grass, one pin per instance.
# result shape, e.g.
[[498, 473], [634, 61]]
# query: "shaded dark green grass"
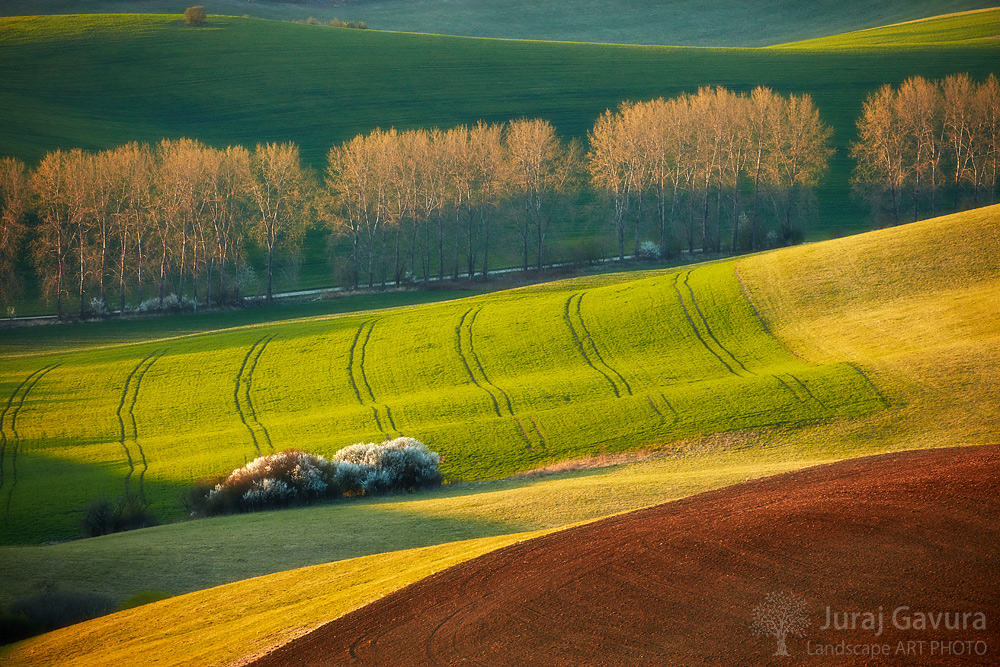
[[95, 82], [675, 22]]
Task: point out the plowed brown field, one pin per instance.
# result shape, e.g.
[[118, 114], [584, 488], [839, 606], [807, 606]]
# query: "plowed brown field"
[[906, 537]]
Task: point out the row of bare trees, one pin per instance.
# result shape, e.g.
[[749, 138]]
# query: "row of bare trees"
[[172, 216], [928, 140], [417, 202], [700, 159], [142, 220]]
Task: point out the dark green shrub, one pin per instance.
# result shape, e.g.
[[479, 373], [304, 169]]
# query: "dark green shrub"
[[104, 517], [194, 15], [15, 627], [50, 610]]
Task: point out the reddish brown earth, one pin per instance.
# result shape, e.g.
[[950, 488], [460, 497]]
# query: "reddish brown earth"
[[677, 584]]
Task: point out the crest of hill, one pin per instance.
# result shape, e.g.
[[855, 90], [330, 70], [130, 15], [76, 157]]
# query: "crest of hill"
[[980, 27], [720, 23]]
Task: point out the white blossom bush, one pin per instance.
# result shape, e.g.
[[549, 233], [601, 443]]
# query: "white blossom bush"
[[293, 477], [289, 477], [648, 250], [171, 303], [403, 464]]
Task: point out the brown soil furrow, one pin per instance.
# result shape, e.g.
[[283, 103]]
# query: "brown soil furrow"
[[680, 583]]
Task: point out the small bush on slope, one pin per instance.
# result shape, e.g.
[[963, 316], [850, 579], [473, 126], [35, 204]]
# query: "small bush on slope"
[[403, 464], [293, 477]]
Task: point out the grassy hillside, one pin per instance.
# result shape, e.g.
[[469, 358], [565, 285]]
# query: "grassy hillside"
[[912, 306], [98, 81], [498, 384], [673, 22]]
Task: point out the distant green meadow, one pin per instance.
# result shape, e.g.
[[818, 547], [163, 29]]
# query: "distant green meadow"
[[672, 22], [96, 81], [498, 384]]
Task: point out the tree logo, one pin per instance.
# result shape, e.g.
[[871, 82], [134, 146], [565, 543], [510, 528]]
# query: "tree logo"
[[781, 614]]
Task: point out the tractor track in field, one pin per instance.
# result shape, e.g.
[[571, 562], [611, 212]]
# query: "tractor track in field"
[[799, 389], [27, 385], [587, 348], [669, 409], [760, 320], [135, 427], [694, 327], [366, 398], [881, 397], [242, 399], [708, 329], [130, 394], [746, 294], [500, 399]]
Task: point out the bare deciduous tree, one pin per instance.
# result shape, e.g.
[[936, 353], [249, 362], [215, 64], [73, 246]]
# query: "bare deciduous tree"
[[13, 205], [280, 189]]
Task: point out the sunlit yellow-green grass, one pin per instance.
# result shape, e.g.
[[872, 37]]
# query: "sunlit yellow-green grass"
[[233, 621], [221, 625], [980, 26], [913, 307], [498, 384]]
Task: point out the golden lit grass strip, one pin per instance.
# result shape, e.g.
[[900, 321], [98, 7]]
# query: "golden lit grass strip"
[[223, 624]]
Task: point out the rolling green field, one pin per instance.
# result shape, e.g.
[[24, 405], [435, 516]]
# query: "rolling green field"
[[913, 307], [498, 384], [101, 80], [689, 378], [671, 22]]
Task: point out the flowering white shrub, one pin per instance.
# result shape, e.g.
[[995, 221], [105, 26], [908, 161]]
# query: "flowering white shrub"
[[98, 307], [171, 303], [648, 250], [293, 477], [403, 464]]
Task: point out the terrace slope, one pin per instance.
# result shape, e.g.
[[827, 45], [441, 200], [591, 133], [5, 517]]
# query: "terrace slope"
[[678, 583]]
